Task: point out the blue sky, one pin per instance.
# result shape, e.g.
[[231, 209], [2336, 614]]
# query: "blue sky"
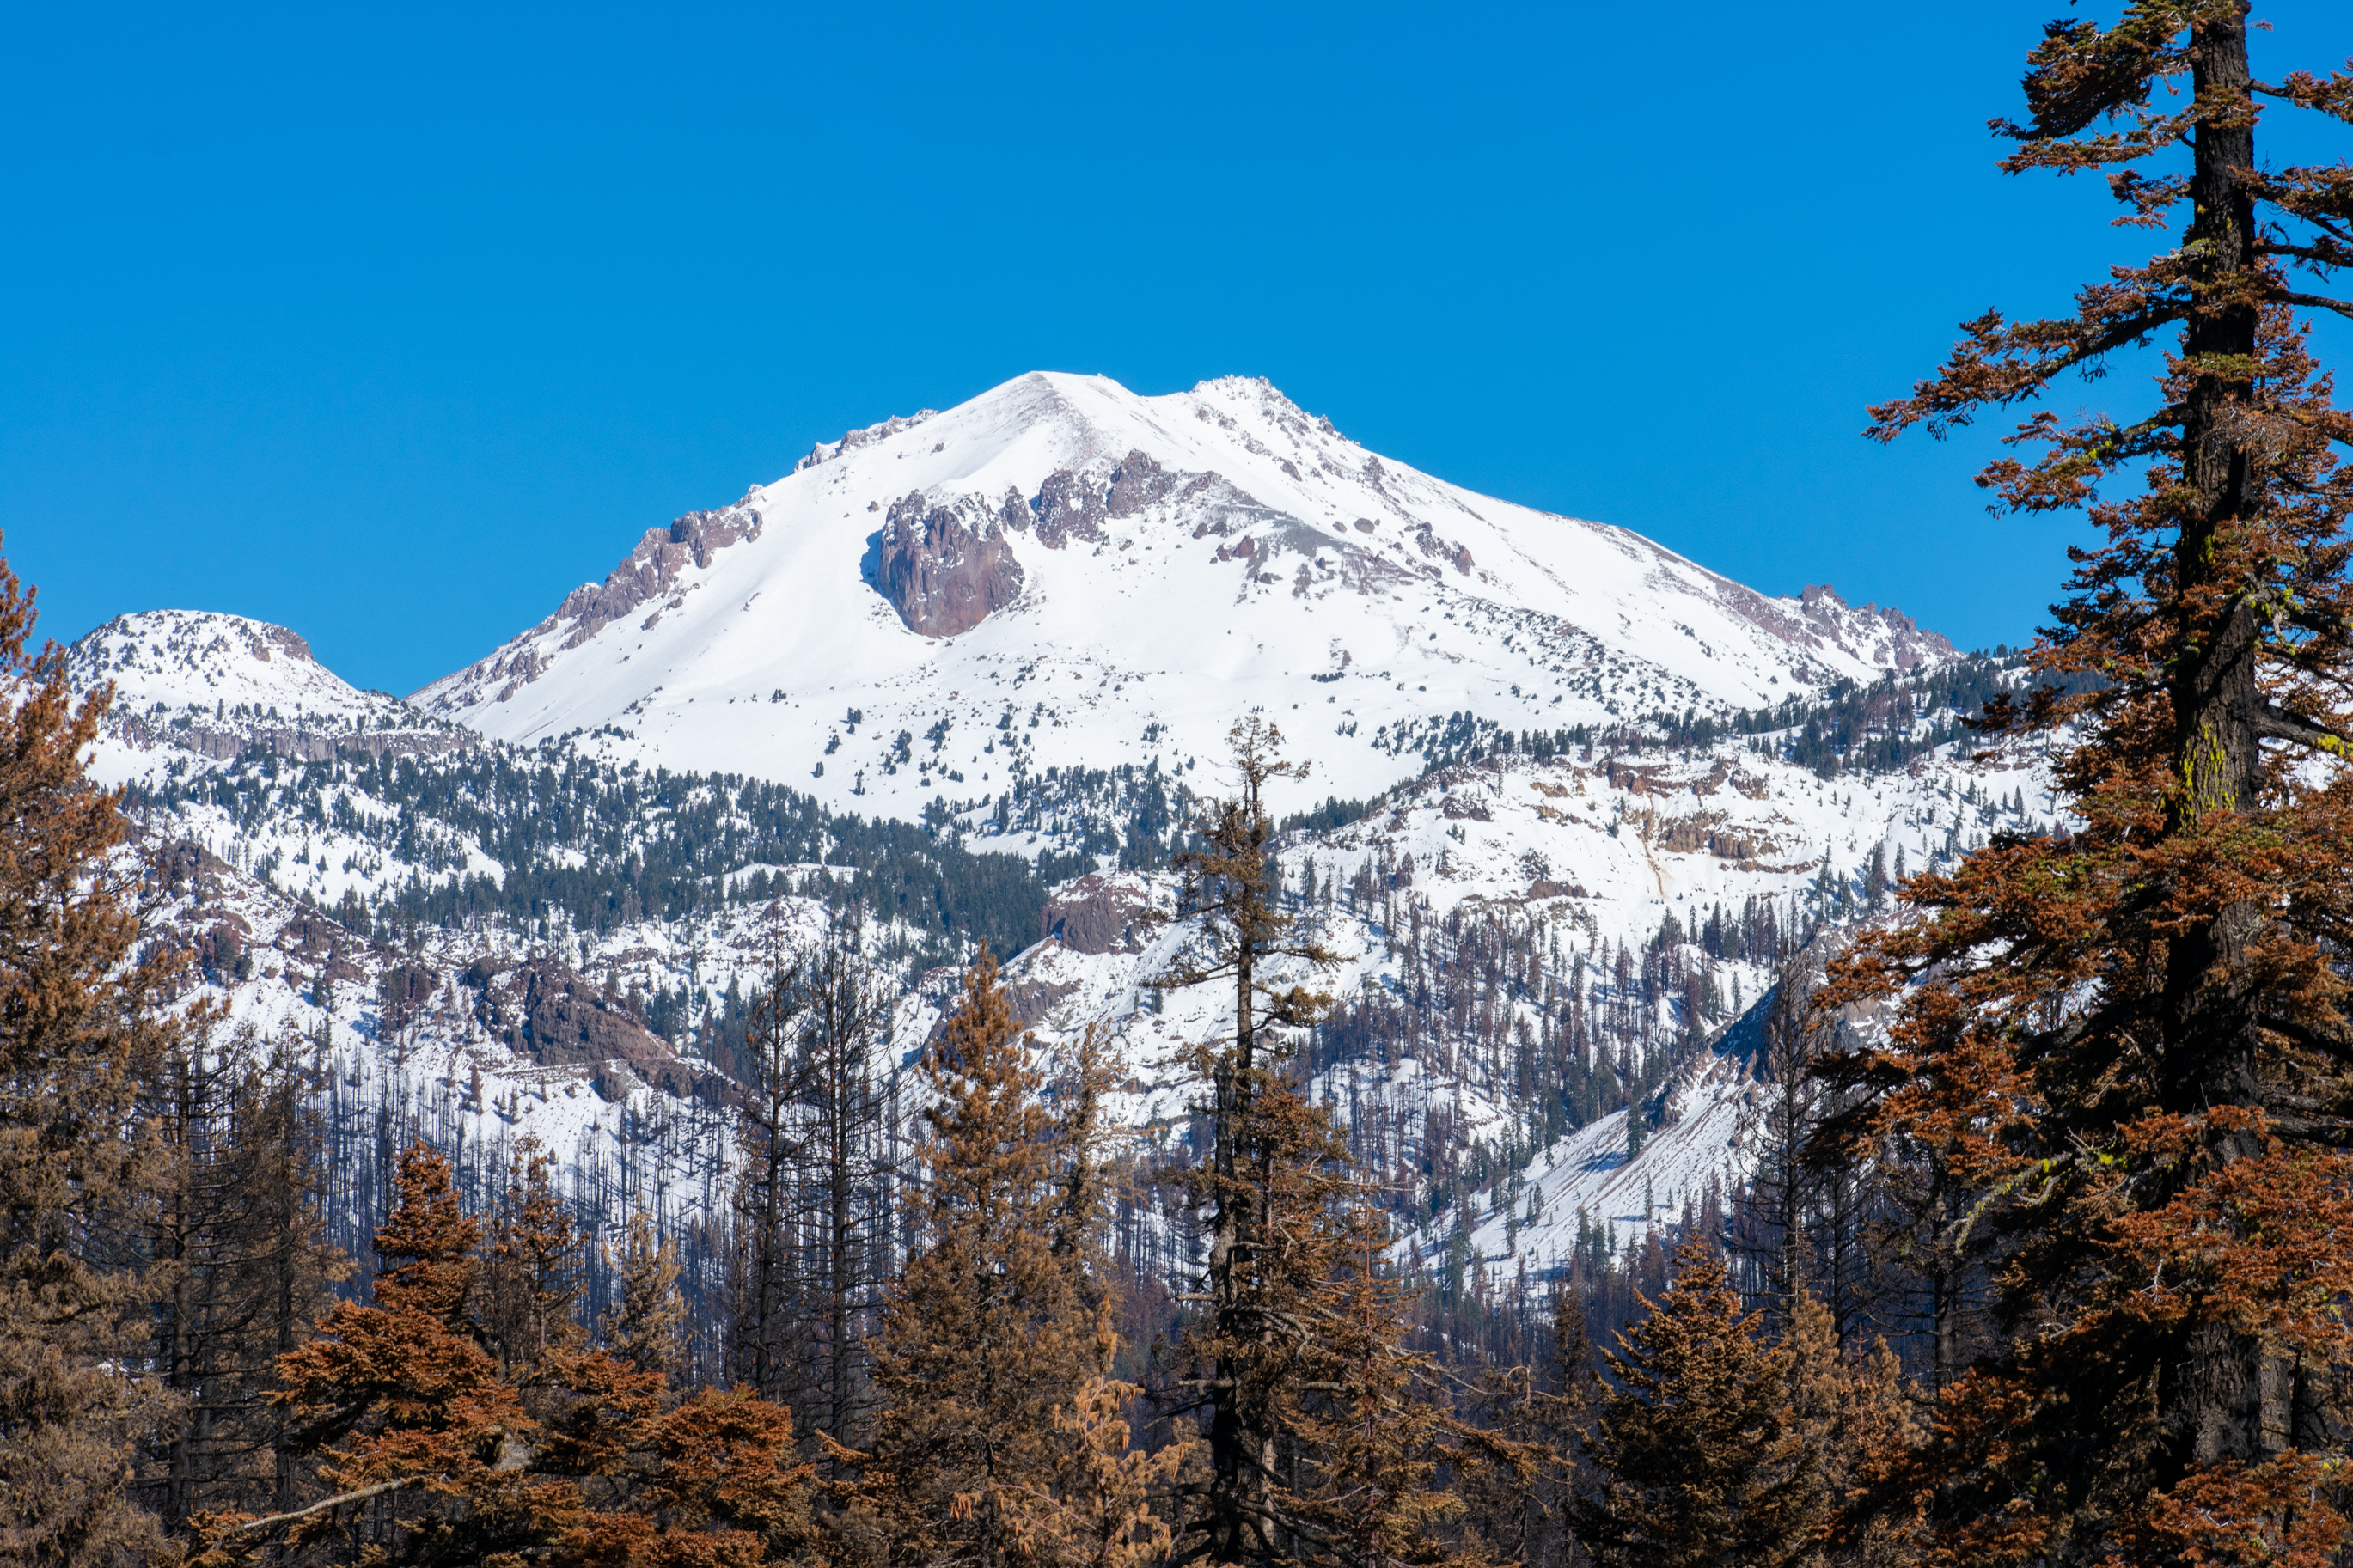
[[392, 324]]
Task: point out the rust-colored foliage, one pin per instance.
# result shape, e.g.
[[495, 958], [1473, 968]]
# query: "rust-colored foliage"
[[80, 1035], [2126, 1044]]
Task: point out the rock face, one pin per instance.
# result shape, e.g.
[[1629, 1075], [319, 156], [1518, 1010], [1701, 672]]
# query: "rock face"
[[1100, 913], [561, 1019], [649, 574], [946, 568]]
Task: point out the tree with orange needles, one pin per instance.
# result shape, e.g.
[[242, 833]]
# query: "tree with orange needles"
[[82, 1038], [2126, 1046]]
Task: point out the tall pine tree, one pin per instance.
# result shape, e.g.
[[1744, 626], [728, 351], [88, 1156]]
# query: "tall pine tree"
[[2127, 1047], [1269, 1189], [987, 1334], [81, 1043], [1697, 1455]]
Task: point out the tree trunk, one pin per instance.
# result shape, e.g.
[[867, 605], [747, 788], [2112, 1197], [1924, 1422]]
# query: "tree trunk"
[[2213, 1404]]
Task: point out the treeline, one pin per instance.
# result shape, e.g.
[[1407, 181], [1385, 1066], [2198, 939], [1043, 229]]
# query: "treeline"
[[581, 845], [1852, 727]]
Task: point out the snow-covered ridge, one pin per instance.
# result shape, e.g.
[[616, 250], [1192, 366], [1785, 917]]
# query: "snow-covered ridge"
[[191, 684], [1106, 577]]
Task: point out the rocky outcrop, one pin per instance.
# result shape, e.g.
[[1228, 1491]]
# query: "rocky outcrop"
[[1821, 618], [827, 451], [653, 568], [945, 568], [1069, 505], [651, 574], [1100, 913], [560, 1018]]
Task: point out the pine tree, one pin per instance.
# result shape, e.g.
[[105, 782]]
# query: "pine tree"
[[987, 1333], [1274, 1175], [643, 1328], [769, 1316], [2127, 1046], [82, 1037], [846, 1164], [251, 1270], [1518, 1496], [1854, 1417], [399, 1398], [1697, 1456], [1377, 1437], [717, 1484], [813, 1198], [527, 1294]]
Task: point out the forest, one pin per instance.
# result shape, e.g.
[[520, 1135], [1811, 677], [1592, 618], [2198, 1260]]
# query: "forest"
[[2044, 1259]]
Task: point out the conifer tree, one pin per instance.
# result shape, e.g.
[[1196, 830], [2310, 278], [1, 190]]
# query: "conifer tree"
[[2127, 1045], [425, 1445], [527, 1294], [1270, 1187], [643, 1328], [1378, 1440], [845, 1164], [815, 1196], [1518, 1499], [987, 1333], [1854, 1415], [769, 1316], [250, 1269], [82, 1037], [1697, 1455]]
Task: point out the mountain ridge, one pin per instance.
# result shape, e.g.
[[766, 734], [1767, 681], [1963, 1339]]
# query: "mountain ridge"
[[1062, 552]]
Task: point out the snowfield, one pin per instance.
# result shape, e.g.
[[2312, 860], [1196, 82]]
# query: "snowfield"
[[1181, 560]]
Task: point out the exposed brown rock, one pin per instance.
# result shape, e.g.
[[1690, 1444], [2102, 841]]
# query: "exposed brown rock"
[[560, 1018], [946, 568], [650, 573], [1137, 483], [1099, 913], [1069, 505]]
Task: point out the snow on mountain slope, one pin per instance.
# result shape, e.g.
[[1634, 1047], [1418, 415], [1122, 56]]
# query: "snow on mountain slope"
[[1593, 856], [197, 683], [182, 660], [1060, 573]]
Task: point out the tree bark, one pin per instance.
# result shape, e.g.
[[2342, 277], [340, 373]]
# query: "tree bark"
[[2213, 1402]]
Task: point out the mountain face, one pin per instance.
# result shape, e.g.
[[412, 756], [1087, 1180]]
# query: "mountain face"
[[1060, 574], [218, 686], [534, 899]]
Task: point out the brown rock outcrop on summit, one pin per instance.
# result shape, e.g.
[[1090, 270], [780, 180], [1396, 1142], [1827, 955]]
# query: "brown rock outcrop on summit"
[[945, 569]]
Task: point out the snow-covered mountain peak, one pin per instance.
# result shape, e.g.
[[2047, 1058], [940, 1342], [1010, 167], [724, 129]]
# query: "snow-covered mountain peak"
[[196, 683], [1062, 573], [182, 660]]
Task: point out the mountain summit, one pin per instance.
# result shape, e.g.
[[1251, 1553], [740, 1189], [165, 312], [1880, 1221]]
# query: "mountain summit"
[[1062, 573]]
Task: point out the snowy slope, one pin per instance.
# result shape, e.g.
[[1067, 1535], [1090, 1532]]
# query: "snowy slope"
[[191, 684], [1595, 856], [1110, 578]]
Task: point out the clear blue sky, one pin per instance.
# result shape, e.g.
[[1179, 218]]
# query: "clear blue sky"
[[394, 323]]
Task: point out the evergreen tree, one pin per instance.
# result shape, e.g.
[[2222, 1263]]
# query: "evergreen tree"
[[2128, 1045], [1854, 1416], [250, 1271], [1697, 1455], [527, 1294], [82, 1037], [1271, 1193], [643, 1328], [1378, 1439], [987, 1334], [845, 1166], [814, 1197]]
